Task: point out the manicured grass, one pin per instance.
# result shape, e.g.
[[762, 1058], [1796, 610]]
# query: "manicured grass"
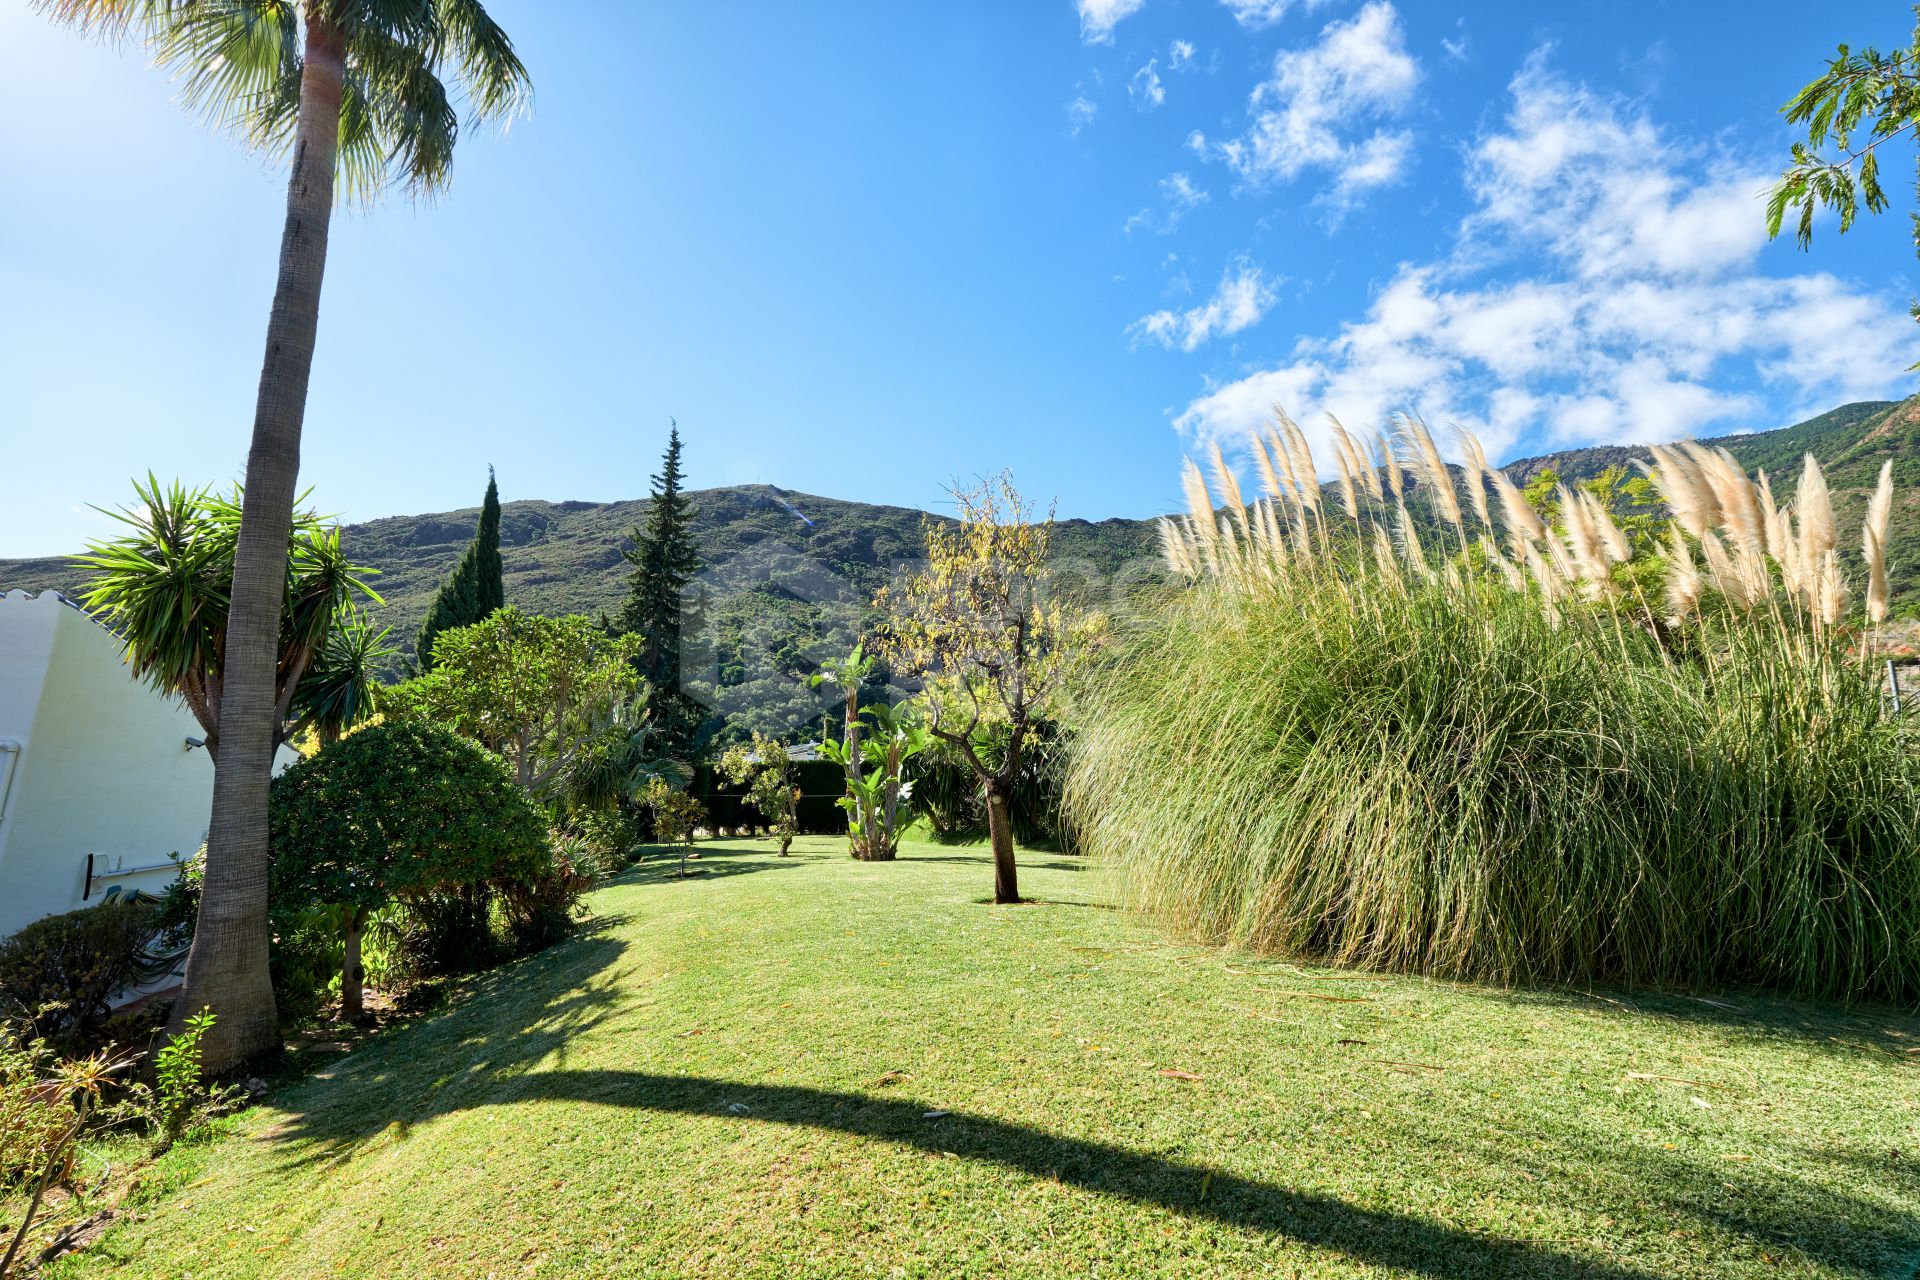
[[815, 1067]]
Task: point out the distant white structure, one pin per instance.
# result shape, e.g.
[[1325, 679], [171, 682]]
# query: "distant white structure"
[[101, 775]]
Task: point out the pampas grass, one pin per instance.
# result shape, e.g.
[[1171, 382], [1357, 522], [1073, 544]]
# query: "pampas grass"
[[1484, 764]]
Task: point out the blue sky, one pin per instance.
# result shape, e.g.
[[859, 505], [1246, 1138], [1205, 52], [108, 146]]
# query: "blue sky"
[[864, 249]]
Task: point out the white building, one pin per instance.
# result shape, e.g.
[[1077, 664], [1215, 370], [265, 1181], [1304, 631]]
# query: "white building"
[[100, 777]]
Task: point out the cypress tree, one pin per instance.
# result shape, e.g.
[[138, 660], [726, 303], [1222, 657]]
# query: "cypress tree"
[[475, 588], [663, 560]]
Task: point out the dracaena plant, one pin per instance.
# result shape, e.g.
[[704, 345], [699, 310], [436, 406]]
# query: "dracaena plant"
[[166, 586]]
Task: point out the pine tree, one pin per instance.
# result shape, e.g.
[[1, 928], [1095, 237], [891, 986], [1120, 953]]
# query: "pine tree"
[[475, 588], [664, 561]]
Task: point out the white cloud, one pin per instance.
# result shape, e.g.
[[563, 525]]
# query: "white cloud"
[[1606, 288], [1145, 88], [1180, 55], [1243, 297], [1178, 198], [1080, 114], [1305, 115], [1099, 17], [1257, 14]]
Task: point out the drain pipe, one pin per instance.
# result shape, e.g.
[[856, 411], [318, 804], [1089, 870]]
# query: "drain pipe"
[[9, 762]]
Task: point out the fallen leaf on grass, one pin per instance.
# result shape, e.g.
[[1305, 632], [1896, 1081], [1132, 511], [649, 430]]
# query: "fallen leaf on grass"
[[934, 1115], [886, 1078], [1174, 1073]]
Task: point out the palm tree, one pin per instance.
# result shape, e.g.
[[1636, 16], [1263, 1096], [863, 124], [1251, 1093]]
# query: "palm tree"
[[348, 88]]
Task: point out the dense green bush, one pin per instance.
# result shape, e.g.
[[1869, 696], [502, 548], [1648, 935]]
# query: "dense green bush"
[[1475, 793], [1442, 761], [401, 812], [58, 975]]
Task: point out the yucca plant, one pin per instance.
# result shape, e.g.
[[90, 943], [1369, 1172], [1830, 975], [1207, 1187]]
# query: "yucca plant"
[[1494, 752]]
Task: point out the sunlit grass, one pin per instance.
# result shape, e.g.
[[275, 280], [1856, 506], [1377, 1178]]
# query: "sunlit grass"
[[735, 1074]]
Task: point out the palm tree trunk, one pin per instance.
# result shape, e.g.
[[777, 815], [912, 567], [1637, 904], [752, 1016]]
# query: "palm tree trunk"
[[227, 967], [1006, 874]]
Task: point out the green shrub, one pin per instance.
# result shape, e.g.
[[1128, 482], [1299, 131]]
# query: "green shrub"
[[404, 811], [58, 974], [1429, 763], [541, 907]]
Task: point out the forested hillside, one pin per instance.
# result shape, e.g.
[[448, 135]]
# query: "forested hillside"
[[791, 575]]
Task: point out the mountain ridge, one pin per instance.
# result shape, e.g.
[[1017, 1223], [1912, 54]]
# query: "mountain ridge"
[[791, 574]]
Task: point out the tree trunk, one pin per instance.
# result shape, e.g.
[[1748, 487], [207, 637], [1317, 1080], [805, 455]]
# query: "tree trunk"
[[1006, 875], [352, 976], [227, 966], [888, 831], [859, 833]]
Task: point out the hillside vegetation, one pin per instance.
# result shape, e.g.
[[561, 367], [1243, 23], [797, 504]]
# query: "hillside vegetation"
[[792, 574]]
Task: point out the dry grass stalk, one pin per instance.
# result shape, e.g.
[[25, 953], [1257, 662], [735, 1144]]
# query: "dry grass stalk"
[[1750, 548], [1263, 461], [1584, 542], [1521, 519], [1727, 578], [1304, 466], [1814, 506], [1410, 542], [1612, 540], [1830, 596], [1344, 461], [1445, 500], [1776, 518], [1738, 500], [1683, 484], [1873, 535], [1228, 486], [1289, 476], [1683, 577], [1396, 477], [1476, 470], [1367, 450]]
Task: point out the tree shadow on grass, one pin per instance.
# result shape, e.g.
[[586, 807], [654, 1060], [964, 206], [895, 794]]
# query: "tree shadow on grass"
[[985, 859], [508, 1044], [1889, 1034], [661, 865]]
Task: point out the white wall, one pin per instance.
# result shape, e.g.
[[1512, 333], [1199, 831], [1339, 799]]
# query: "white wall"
[[104, 767]]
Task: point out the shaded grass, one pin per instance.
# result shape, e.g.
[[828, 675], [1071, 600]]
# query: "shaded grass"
[[733, 1077]]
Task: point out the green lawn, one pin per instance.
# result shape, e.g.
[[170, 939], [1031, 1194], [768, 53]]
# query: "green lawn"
[[815, 1067]]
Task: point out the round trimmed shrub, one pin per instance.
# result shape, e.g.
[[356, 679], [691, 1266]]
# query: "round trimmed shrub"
[[397, 810]]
